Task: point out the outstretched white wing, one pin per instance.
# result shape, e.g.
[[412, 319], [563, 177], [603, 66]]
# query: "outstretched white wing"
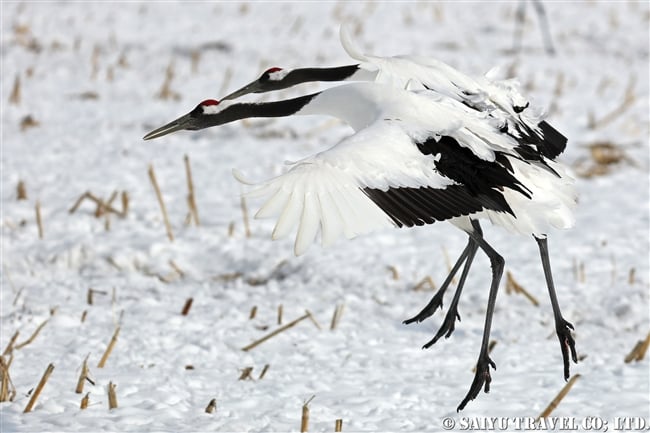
[[328, 191]]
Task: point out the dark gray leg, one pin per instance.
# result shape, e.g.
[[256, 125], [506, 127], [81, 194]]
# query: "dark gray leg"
[[562, 327], [436, 301], [448, 325], [484, 362]]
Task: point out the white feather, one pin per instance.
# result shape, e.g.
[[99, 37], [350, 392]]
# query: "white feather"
[[289, 216], [275, 204], [309, 222], [331, 219], [552, 201]]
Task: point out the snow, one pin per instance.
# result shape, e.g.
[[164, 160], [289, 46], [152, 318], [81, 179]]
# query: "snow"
[[370, 371]]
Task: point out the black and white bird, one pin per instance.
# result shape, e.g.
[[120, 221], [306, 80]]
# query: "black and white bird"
[[416, 157]]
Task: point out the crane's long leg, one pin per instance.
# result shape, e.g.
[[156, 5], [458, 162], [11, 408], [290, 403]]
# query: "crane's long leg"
[[436, 301], [484, 362], [562, 327], [448, 325]]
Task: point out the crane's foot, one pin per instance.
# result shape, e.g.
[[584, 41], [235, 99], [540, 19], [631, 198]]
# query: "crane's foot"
[[567, 343], [482, 379], [447, 327], [432, 306]]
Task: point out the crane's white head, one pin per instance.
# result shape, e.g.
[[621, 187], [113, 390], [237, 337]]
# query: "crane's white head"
[[209, 106], [274, 74], [202, 116], [270, 80]]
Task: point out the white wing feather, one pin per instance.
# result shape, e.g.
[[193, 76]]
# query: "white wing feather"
[[288, 218], [324, 192]]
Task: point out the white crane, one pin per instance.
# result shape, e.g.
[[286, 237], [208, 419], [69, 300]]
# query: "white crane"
[[416, 157]]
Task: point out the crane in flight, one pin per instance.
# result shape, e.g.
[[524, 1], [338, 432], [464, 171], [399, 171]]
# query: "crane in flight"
[[416, 157]]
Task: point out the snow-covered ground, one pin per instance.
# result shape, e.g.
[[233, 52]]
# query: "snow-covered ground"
[[89, 76]]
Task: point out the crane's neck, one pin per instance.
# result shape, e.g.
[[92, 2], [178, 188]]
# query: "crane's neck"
[[354, 109], [306, 75], [349, 103], [339, 73], [238, 111]]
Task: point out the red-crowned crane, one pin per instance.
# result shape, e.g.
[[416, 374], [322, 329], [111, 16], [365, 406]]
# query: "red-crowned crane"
[[416, 157]]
